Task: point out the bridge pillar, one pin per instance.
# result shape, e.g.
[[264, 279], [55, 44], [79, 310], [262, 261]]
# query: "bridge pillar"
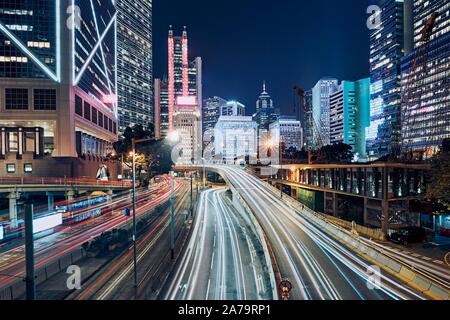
[[365, 213], [50, 201], [69, 195], [13, 196], [335, 205]]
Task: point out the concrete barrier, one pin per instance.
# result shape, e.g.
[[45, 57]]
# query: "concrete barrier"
[[407, 273], [439, 292], [423, 283]]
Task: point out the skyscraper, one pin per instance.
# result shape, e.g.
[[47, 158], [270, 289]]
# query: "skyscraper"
[[235, 138], [387, 46], [134, 63], [58, 110], [185, 78], [350, 115], [308, 125], [321, 106], [425, 80], [211, 112], [288, 131], [232, 108], [266, 113], [161, 107], [184, 97]]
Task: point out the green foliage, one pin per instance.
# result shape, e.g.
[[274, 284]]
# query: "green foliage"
[[438, 187], [336, 153]]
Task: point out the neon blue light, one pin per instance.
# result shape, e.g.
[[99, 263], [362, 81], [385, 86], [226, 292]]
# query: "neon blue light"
[[94, 50], [22, 47], [101, 47], [58, 41]]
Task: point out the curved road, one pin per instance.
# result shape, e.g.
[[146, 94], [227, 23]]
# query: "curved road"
[[221, 261], [317, 265]]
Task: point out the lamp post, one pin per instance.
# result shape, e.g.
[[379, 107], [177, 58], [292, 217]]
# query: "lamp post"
[[204, 173], [280, 150], [172, 216], [134, 141]]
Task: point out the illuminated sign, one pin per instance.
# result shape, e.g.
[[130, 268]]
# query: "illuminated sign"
[[187, 101], [1, 232], [88, 215], [47, 222], [110, 98]]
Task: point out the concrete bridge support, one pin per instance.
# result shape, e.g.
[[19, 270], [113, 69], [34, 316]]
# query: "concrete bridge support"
[[13, 197], [50, 201]]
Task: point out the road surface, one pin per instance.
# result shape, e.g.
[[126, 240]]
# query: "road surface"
[[223, 259], [317, 265]]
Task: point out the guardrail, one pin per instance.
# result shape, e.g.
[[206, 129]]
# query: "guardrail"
[[403, 272], [61, 181], [268, 252]]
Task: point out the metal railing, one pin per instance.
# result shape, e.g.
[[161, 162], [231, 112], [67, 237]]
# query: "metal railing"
[[61, 181]]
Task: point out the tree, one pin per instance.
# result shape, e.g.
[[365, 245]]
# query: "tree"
[[149, 155], [336, 153], [438, 187]]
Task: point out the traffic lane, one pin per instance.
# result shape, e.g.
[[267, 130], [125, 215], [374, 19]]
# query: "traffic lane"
[[182, 282], [14, 267], [391, 287], [256, 279], [116, 281], [343, 281]]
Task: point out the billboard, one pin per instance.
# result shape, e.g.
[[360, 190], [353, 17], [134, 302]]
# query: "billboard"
[[47, 222]]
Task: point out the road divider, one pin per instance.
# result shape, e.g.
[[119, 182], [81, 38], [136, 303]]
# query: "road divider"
[[406, 274]]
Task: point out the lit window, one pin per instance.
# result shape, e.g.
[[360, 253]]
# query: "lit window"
[[11, 168]]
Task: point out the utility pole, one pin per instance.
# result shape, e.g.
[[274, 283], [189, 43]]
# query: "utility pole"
[[133, 146], [29, 253], [280, 151], [192, 203], [172, 215]]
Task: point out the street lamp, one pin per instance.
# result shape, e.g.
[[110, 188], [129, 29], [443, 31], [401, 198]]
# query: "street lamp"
[[134, 141], [204, 173]]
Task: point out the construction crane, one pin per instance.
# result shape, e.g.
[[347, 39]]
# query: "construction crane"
[[419, 65], [317, 136]]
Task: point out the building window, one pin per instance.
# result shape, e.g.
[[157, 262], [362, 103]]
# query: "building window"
[[44, 99], [28, 168], [13, 142], [29, 141], [94, 115], [11, 168], [78, 106], [110, 125], [16, 99], [105, 122], [87, 111], [100, 119]]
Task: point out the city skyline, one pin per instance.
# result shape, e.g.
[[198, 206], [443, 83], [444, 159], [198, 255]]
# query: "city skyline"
[[344, 48]]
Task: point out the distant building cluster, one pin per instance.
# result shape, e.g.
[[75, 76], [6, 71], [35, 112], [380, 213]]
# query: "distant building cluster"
[[67, 94]]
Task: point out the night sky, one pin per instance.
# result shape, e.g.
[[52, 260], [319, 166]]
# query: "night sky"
[[284, 42]]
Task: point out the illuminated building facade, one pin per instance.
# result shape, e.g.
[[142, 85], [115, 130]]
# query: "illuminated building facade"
[[266, 113], [232, 108], [350, 115], [387, 46], [58, 109], [235, 138], [426, 88], [134, 58], [188, 125], [211, 112], [289, 131], [308, 126], [161, 103], [321, 107]]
